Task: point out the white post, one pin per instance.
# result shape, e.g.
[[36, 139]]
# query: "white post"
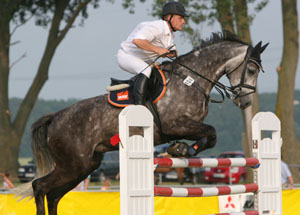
[[268, 175], [136, 162]]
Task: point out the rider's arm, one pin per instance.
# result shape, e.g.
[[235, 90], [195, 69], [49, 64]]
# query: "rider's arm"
[[146, 45], [291, 182], [7, 180]]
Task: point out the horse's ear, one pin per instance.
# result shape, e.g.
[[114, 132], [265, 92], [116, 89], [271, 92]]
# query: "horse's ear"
[[258, 46], [263, 48], [256, 50]]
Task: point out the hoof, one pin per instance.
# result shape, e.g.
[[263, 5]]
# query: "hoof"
[[179, 149]]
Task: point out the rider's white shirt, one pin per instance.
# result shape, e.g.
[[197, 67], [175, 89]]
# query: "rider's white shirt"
[[156, 32]]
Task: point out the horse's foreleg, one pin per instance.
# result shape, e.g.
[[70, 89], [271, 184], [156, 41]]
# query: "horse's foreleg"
[[205, 139], [203, 134], [203, 144], [179, 172]]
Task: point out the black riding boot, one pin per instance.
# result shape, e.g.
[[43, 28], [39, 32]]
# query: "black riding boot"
[[140, 89], [141, 97]]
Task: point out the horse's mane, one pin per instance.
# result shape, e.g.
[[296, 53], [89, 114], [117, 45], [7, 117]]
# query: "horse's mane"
[[218, 37]]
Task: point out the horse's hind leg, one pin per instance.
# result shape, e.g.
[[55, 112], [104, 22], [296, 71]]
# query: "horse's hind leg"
[[70, 176], [39, 195], [44, 186], [55, 185], [53, 197]]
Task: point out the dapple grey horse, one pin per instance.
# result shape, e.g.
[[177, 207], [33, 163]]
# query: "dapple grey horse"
[[68, 145]]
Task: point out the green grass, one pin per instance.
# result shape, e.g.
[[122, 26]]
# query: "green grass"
[[24, 161]]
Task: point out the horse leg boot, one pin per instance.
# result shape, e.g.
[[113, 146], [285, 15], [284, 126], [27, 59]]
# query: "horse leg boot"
[[179, 149], [201, 145], [140, 89]]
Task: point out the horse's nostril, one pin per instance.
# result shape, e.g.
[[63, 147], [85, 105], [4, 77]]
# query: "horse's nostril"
[[247, 104]]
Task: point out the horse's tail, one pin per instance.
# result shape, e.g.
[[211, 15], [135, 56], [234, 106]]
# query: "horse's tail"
[[40, 150], [42, 156]]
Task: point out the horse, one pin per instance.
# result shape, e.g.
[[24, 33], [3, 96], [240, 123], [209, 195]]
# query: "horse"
[[68, 145]]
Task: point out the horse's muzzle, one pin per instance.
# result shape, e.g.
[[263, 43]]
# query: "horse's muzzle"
[[243, 102]]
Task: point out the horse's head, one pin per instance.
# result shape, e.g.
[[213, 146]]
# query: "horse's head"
[[243, 74]]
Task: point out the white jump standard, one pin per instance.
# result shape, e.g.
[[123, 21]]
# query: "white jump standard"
[[137, 189]]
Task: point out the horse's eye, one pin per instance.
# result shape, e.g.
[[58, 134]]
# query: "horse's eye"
[[251, 70]]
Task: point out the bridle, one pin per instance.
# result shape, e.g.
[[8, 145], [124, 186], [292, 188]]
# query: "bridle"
[[237, 89], [231, 92]]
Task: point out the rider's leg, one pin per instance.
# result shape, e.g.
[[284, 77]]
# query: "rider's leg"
[[140, 89], [135, 65]]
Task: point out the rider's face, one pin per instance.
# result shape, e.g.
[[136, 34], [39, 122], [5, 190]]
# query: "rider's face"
[[177, 22]]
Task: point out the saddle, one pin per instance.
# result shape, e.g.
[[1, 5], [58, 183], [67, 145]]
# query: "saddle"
[[120, 92]]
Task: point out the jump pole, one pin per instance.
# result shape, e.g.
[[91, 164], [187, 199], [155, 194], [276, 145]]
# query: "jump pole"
[[136, 166]]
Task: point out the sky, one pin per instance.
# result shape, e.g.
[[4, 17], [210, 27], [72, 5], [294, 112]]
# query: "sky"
[[85, 60]]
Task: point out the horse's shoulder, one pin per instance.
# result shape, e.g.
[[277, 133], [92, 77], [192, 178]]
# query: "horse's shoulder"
[[166, 66]]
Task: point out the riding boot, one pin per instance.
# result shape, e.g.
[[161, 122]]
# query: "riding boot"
[[141, 97], [140, 89]]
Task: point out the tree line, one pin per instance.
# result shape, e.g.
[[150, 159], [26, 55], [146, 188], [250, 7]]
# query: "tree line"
[[226, 118]]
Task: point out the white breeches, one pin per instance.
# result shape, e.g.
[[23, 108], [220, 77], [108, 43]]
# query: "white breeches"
[[133, 64]]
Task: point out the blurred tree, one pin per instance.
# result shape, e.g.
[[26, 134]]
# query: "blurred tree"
[[286, 85], [60, 15]]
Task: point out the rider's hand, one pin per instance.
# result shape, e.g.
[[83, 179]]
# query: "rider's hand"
[[167, 53], [162, 52], [172, 53]]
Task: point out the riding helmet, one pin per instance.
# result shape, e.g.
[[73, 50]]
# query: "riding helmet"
[[173, 8]]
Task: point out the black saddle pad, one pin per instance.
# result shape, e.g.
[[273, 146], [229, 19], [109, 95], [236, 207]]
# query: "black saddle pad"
[[124, 97]]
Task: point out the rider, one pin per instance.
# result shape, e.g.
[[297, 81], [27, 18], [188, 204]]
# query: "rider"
[[148, 41]]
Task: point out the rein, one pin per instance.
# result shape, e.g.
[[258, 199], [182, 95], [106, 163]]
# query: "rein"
[[189, 81], [230, 92]]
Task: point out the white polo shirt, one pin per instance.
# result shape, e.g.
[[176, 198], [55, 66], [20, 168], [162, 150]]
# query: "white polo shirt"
[[156, 32]]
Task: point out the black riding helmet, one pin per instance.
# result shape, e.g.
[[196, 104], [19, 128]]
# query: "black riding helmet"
[[173, 8]]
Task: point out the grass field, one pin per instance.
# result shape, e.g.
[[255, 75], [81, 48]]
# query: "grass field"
[[24, 161]]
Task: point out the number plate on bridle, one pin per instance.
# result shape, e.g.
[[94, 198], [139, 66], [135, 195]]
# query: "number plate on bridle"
[[188, 81]]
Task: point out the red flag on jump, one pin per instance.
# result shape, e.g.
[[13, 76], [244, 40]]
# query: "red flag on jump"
[[114, 140]]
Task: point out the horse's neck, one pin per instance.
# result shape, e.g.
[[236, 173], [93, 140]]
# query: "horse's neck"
[[213, 67]]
